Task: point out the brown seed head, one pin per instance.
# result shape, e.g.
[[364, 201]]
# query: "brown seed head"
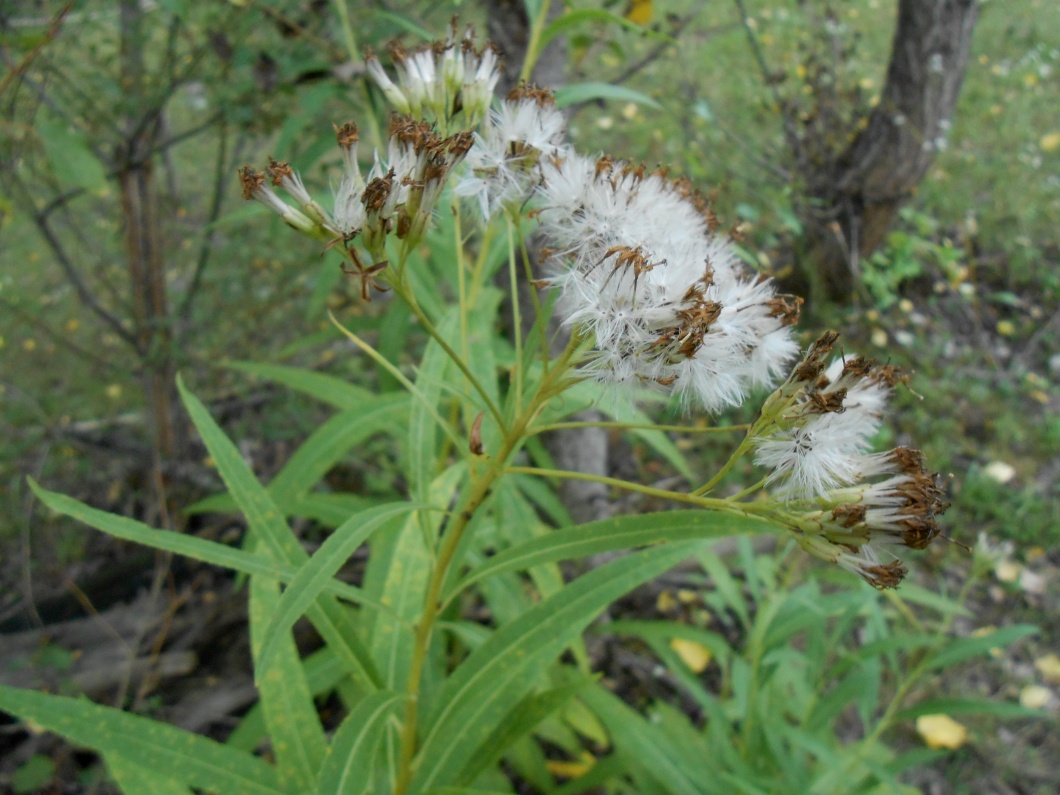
[[251, 180]]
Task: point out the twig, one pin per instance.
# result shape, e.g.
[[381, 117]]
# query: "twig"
[[84, 293], [53, 30], [756, 48], [206, 246], [661, 47]]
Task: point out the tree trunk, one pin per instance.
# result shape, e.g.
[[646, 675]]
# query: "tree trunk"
[[853, 202], [144, 252]]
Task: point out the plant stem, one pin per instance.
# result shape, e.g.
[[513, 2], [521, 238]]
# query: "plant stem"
[[410, 299], [764, 510], [721, 473], [534, 45], [480, 489], [517, 318], [635, 426]]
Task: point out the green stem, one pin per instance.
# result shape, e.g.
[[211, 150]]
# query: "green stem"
[[635, 426], [765, 511], [481, 488], [745, 445], [532, 54], [347, 29], [517, 318], [541, 320], [410, 299]]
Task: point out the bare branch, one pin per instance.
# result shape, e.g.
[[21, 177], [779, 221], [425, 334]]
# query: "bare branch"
[[53, 30]]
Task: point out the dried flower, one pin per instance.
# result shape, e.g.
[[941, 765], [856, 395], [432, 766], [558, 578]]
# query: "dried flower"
[[440, 80], [505, 162], [815, 429], [641, 268]]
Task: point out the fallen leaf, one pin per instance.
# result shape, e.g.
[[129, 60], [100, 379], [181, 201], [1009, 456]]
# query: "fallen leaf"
[[1007, 571], [666, 602], [1000, 471], [1049, 667], [695, 655], [564, 769], [1035, 696], [941, 731], [1050, 142], [639, 12]]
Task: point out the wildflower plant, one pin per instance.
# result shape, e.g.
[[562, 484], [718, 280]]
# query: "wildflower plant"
[[653, 300]]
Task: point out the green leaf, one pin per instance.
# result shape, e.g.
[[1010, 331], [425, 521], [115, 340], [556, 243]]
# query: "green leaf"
[[563, 23], [291, 720], [422, 443], [969, 706], [522, 720], [135, 779], [725, 586], [323, 673], [644, 745], [166, 751], [268, 526], [33, 774], [326, 388], [314, 575], [348, 765], [959, 650], [579, 93], [476, 697], [189, 546], [606, 535], [71, 160], [332, 440], [403, 22], [403, 590], [944, 605]]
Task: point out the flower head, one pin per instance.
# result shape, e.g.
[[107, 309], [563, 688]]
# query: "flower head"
[[640, 266], [895, 503], [816, 428], [440, 80], [504, 165]]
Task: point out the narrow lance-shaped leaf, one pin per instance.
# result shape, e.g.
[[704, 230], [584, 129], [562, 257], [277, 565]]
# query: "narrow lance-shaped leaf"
[[268, 525], [326, 388], [348, 766], [332, 440], [179, 755], [294, 729], [495, 676], [405, 586], [134, 778], [314, 576], [607, 535], [196, 548]]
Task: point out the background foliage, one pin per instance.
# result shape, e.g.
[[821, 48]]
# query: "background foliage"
[[964, 293]]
